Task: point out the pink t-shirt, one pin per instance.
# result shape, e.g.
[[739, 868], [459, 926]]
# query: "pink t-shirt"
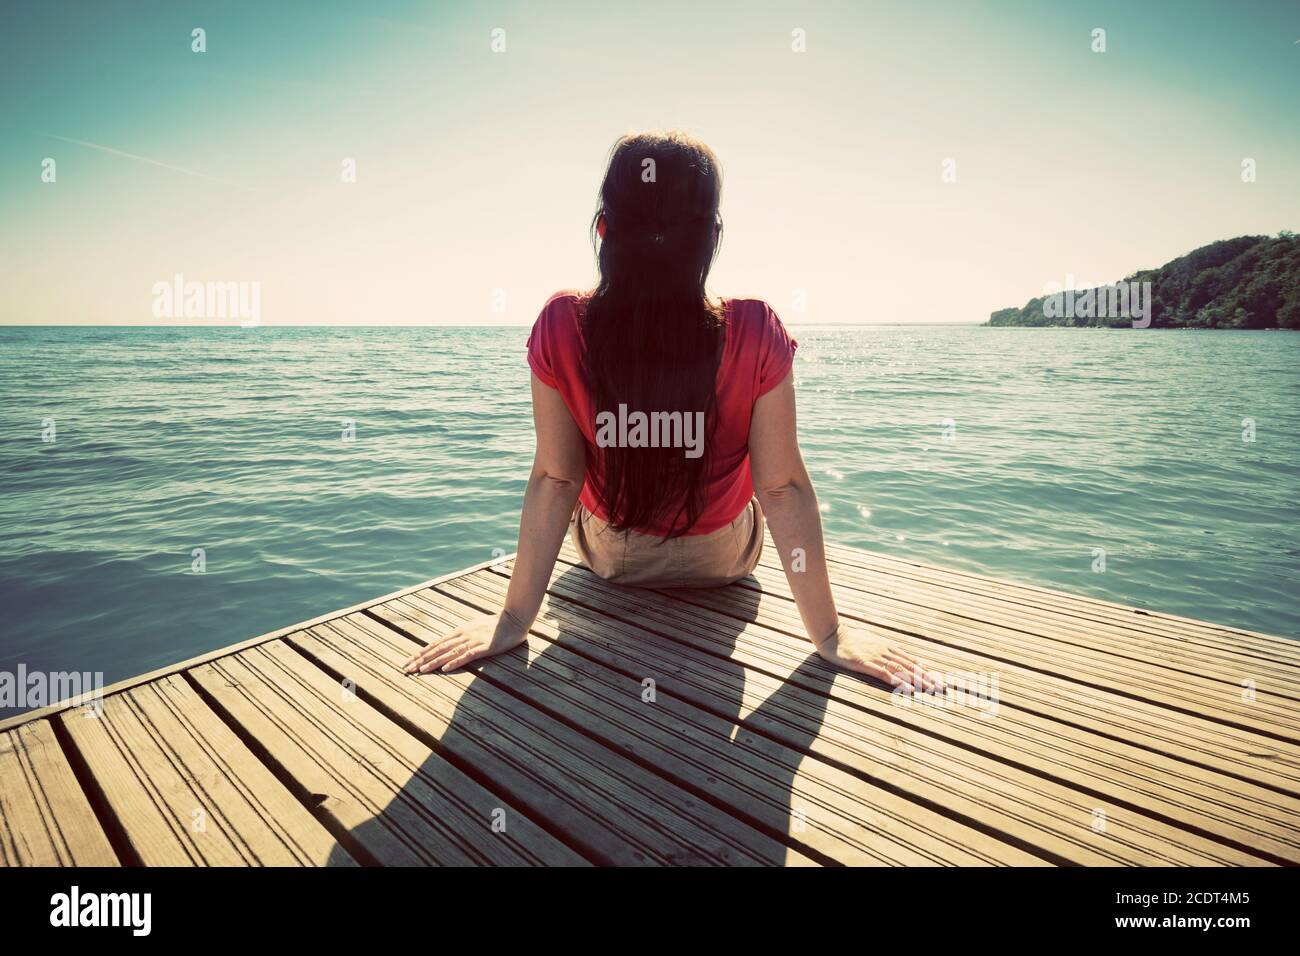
[[756, 357]]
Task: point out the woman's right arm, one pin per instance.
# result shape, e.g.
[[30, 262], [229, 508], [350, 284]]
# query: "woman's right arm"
[[554, 485], [785, 493]]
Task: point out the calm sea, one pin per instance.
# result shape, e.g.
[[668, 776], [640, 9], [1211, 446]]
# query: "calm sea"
[[1016, 453]]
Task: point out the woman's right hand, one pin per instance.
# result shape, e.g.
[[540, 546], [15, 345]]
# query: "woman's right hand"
[[481, 636]]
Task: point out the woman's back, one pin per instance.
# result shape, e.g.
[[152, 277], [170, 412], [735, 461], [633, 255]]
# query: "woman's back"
[[757, 354], [665, 425]]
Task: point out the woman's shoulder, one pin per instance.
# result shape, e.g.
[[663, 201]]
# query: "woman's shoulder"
[[757, 337], [749, 308], [561, 314], [752, 317], [556, 337], [566, 300]]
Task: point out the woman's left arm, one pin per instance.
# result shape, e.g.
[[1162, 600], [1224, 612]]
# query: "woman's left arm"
[[559, 468]]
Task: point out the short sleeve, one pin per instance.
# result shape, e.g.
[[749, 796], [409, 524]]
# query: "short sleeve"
[[541, 346], [776, 355]]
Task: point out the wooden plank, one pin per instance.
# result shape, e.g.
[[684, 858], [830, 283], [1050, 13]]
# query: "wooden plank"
[[1269, 715], [753, 750], [1057, 743], [399, 800], [1191, 738], [182, 666], [1126, 644], [1067, 603], [1115, 623], [610, 808], [186, 791], [1187, 737], [45, 818], [1187, 792], [947, 758], [822, 809]]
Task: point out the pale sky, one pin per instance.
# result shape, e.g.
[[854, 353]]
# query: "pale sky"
[[477, 170]]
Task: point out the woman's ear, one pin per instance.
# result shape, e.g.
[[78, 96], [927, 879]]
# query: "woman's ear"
[[600, 226]]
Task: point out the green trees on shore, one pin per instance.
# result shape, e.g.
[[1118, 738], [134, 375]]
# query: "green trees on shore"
[[1251, 282]]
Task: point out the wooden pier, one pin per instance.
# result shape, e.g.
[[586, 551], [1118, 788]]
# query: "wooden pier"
[[684, 727]]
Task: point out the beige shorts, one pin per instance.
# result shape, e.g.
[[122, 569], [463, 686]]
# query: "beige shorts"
[[691, 561]]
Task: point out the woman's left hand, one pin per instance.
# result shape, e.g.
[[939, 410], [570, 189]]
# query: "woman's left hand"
[[481, 636], [856, 649]]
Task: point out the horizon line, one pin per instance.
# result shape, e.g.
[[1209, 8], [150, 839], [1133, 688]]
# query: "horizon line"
[[416, 325]]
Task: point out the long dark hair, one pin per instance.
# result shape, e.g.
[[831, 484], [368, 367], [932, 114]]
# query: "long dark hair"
[[653, 340]]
